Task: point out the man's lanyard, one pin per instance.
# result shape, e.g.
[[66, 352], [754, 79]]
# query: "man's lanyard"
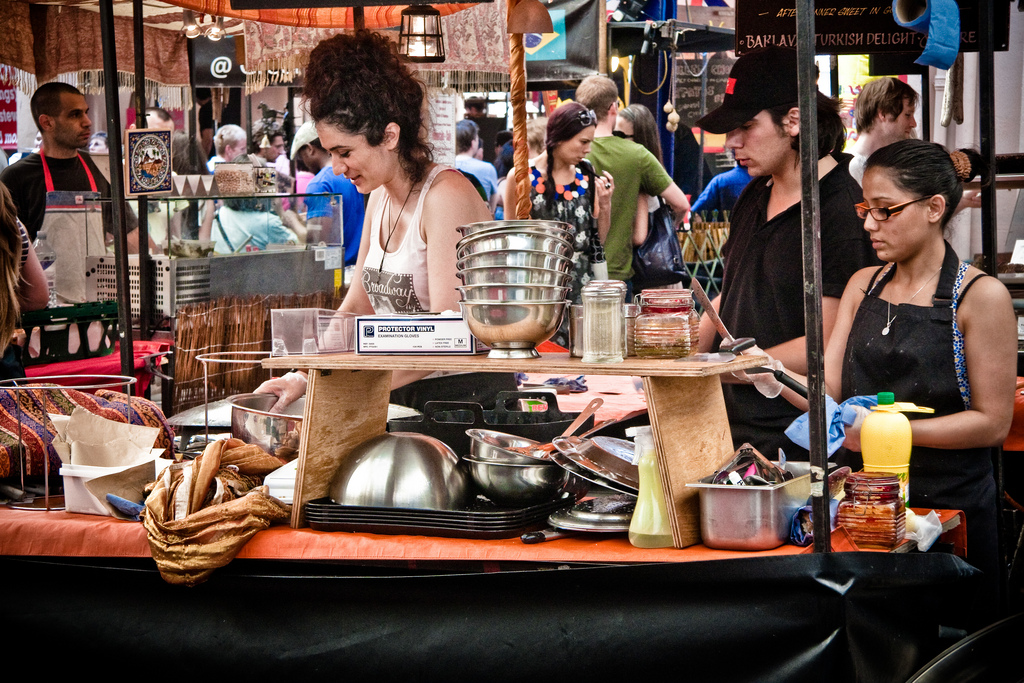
[[48, 179]]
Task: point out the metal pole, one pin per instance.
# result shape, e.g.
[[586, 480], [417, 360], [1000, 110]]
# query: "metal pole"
[[810, 210], [118, 207], [987, 129], [145, 263]]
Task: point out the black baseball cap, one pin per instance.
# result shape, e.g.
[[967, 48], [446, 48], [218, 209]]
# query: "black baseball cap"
[[758, 80]]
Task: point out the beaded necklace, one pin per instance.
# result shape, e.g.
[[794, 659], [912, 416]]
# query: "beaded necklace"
[[578, 188]]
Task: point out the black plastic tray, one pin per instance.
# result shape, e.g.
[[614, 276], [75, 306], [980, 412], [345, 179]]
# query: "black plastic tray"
[[449, 420], [482, 519]]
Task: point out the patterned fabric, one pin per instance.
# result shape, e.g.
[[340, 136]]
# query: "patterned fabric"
[[959, 360], [37, 431], [42, 52], [476, 43]]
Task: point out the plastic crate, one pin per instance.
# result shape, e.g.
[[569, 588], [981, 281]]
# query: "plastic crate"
[[70, 332], [177, 282]]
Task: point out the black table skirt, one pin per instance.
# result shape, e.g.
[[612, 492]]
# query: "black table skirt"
[[841, 617]]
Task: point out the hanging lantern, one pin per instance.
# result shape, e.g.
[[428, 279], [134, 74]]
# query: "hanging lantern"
[[420, 38]]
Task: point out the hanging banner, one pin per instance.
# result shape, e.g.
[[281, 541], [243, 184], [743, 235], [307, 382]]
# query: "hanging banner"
[[561, 59], [9, 117], [219, 63], [844, 29]]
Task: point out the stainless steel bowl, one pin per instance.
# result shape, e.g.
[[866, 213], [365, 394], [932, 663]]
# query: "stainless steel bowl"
[[524, 239], [512, 329], [557, 228], [401, 470], [517, 258], [492, 446], [523, 293], [503, 275], [518, 485], [276, 433]]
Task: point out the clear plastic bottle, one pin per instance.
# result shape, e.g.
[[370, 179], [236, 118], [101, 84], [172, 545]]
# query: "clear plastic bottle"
[[650, 526], [48, 260]]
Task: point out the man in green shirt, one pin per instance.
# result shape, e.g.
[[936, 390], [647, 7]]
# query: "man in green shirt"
[[634, 169]]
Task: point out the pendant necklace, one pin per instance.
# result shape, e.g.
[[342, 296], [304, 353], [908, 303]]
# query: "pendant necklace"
[[394, 226], [888, 305]]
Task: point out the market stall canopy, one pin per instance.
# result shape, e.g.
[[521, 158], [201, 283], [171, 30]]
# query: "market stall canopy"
[[37, 47], [477, 49]]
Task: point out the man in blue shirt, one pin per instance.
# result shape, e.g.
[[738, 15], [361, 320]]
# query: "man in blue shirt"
[[307, 149], [467, 144], [721, 193]]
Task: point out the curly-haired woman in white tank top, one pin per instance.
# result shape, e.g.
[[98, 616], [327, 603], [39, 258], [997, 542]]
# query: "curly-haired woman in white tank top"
[[369, 112]]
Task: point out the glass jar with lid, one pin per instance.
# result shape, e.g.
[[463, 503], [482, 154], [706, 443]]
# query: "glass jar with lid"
[[668, 325], [604, 325], [873, 511]]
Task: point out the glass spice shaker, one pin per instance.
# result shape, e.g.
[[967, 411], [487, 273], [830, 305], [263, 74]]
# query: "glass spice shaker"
[[604, 325]]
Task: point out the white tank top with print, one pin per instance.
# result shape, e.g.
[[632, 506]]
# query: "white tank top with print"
[[401, 284]]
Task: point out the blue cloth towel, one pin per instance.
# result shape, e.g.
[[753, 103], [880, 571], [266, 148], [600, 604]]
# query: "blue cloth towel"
[[837, 416]]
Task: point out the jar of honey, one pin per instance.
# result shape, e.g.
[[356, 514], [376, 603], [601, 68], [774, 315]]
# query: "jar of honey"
[[668, 325], [873, 511]]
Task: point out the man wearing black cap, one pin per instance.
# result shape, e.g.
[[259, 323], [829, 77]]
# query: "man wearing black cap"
[[762, 291]]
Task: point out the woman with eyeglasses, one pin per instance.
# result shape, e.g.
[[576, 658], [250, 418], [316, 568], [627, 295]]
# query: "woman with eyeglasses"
[[932, 330], [564, 187], [368, 110]]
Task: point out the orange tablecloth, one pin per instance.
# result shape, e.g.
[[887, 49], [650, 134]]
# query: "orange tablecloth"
[[64, 534]]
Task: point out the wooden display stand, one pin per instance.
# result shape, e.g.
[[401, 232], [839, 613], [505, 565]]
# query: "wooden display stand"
[[347, 402]]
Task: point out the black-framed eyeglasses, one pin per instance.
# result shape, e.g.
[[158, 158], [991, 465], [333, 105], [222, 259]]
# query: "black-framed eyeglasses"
[[884, 213], [620, 134], [587, 118]]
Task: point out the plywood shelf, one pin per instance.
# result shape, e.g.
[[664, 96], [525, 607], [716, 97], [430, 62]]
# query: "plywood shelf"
[[347, 403]]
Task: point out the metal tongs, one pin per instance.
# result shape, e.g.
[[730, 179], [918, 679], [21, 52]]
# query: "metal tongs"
[[749, 468]]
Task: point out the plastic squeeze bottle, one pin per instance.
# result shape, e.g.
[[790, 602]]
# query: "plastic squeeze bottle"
[[650, 526], [886, 439]]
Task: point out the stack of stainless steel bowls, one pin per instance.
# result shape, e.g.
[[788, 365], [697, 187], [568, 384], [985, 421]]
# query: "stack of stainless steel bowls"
[[515, 278]]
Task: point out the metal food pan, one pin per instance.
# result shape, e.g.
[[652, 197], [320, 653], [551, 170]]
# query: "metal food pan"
[[749, 517]]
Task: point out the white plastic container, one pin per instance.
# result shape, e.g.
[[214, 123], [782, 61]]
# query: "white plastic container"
[[78, 498]]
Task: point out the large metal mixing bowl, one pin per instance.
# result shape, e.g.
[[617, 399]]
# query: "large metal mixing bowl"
[[276, 433], [401, 470], [518, 485], [518, 258], [556, 228], [523, 293], [512, 329], [514, 276], [524, 239]]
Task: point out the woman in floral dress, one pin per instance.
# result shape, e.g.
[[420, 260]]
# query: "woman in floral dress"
[[563, 189]]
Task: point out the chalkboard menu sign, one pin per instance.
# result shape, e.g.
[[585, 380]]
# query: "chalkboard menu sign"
[[853, 27], [688, 85]]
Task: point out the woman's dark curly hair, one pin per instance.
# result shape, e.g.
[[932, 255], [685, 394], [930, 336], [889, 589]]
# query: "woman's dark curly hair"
[[357, 82]]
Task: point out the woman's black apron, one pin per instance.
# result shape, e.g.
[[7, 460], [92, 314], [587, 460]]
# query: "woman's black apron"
[[915, 361]]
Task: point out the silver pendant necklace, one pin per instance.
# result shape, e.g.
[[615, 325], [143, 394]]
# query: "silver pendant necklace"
[[888, 305]]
